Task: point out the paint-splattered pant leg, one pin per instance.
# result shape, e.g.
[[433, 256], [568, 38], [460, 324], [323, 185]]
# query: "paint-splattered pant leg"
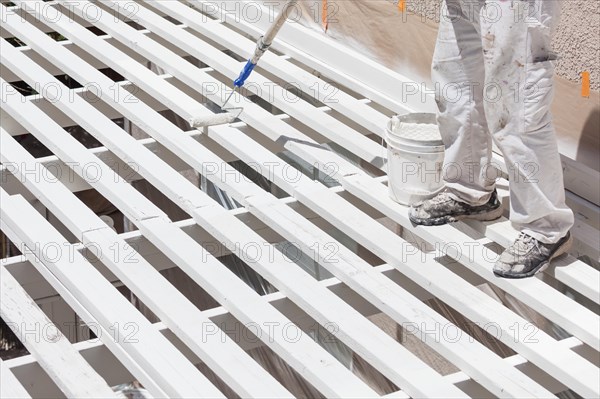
[[458, 75], [517, 94]]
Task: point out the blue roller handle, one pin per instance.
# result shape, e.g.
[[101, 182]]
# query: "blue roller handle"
[[248, 68]]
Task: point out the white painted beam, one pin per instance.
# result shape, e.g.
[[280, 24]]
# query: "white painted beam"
[[258, 203]]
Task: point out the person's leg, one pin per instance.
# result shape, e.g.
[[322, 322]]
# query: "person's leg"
[[518, 96], [458, 76], [519, 91]]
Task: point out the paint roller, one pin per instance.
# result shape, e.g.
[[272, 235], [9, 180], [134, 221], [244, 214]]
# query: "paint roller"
[[262, 45]]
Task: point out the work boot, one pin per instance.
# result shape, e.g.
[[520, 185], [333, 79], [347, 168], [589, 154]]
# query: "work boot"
[[443, 209], [528, 256]]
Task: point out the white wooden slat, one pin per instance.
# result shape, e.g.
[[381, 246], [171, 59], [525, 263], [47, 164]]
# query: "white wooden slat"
[[570, 315], [90, 118], [386, 354], [11, 77], [60, 172], [154, 85], [580, 178], [257, 84], [216, 314], [10, 386], [38, 288], [122, 88], [515, 360], [175, 374], [71, 373], [218, 351], [128, 17], [477, 361], [431, 275], [312, 362], [328, 94], [580, 376]]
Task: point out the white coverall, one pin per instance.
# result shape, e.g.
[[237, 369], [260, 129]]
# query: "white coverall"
[[492, 72]]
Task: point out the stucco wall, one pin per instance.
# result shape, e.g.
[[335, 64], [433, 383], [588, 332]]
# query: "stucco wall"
[[577, 39]]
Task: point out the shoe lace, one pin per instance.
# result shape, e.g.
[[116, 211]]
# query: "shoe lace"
[[440, 198], [525, 243]]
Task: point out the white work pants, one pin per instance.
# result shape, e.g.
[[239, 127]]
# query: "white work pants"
[[492, 71]]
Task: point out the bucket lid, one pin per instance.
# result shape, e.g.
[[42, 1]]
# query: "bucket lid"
[[415, 128]]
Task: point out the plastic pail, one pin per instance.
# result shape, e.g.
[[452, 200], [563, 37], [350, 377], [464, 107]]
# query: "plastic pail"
[[415, 158]]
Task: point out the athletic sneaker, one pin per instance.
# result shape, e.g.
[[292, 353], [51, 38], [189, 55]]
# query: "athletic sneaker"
[[443, 209], [528, 256]]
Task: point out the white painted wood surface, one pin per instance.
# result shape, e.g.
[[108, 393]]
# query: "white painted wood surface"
[[257, 111], [300, 131], [177, 312]]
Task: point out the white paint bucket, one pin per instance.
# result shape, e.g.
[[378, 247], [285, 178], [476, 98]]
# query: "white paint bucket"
[[415, 158]]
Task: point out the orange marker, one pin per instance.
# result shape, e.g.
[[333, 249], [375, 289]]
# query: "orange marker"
[[324, 19], [585, 84], [402, 5]]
